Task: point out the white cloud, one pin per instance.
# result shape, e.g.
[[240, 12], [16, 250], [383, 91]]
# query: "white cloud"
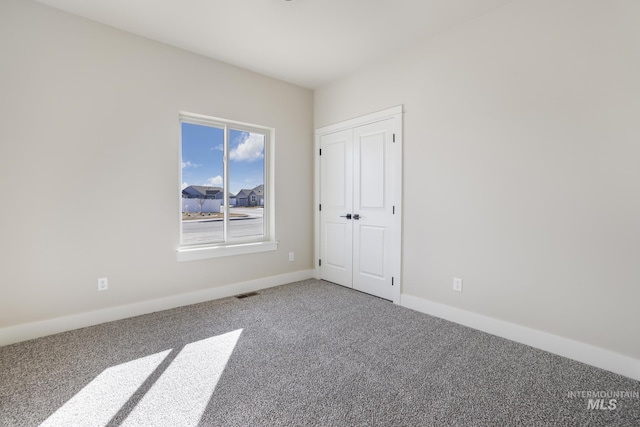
[[215, 181], [184, 185], [188, 164], [251, 149]]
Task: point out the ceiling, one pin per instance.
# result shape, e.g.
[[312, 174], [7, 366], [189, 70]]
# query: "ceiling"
[[305, 42]]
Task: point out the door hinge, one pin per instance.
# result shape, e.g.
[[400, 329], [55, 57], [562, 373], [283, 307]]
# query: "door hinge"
[[393, 211], [320, 207], [394, 137], [321, 151], [319, 263], [392, 281]]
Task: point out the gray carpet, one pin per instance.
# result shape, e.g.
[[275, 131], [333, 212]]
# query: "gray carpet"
[[308, 353]]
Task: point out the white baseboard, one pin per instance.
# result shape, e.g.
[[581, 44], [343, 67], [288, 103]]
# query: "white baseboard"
[[581, 352], [27, 331]]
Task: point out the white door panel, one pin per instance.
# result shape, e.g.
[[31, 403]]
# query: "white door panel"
[[372, 186], [371, 246], [337, 236], [335, 175], [372, 174], [336, 197]]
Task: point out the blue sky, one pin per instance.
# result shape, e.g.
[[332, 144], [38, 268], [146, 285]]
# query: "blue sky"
[[202, 151]]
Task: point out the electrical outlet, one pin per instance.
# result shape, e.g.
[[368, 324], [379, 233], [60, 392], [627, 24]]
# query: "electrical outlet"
[[291, 256], [457, 284], [103, 284]]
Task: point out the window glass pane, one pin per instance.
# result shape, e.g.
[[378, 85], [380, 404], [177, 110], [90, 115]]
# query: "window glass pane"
[[202, 184], [246, 184]]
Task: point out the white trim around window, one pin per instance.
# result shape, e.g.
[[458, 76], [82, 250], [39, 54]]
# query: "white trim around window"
[[205, 252], [229, 245]]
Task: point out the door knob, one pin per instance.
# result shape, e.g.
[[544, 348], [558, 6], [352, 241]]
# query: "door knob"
[[348, 216], [356, 216]]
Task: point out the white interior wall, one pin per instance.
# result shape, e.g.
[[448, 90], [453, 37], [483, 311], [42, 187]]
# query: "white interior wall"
[[89, 112], [520, 165]]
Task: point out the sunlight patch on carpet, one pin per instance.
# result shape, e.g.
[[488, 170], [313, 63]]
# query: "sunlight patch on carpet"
[[103, 397], [180, 396]]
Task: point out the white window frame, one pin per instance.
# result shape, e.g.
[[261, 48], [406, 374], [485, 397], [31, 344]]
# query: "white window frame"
[[265, 243]]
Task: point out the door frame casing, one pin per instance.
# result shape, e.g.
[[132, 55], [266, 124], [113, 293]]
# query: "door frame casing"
[[396, 174]]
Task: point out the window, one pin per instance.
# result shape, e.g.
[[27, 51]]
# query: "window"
[[226, 197]]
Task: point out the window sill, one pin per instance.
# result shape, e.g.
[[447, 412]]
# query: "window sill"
[[193, 254]]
